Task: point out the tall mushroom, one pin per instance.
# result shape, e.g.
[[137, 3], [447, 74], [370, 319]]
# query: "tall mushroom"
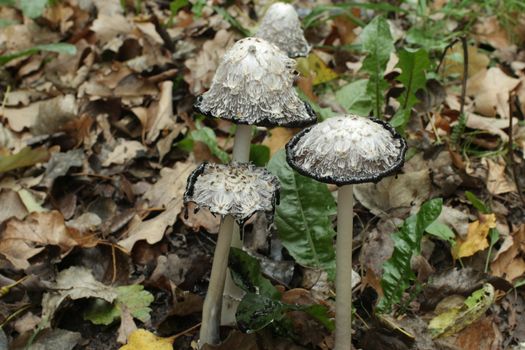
[[235, 191], [281, 26], [253, 85], [346, 150]]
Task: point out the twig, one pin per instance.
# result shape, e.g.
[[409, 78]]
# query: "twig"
[[465, 74], [512, 99], [192, 328], [442, 58]]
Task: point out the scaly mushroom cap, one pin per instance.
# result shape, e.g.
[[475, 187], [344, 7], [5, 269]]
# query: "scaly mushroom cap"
[[254, 85], [346, 150], [237, 189], [281, 26]]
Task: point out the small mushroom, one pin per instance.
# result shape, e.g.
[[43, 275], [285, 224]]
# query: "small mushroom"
[[253, 85], [235, 191], [281, 26], [346, 150]]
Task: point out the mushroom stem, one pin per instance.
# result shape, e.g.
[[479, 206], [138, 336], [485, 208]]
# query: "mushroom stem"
[[211, 311], [343, 281], [241, 144], [232, 293]]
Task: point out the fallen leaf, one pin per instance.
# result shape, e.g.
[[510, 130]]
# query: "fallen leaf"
[[491, 89], [153, 230], [142, 339], [510, 264], [277, 138], [56, 339], [21, 240], [163, 120], [477, 60], [11, 206], [395, 195], [124, 151], [73, 283], [488, 29], [491, 125], [314, 67], [170, 185], [26, 157], [497, 180], [127, 326], [480, 335], [60, 163], [476, 239]]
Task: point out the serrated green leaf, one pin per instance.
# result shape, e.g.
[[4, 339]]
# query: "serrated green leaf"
[[303, 216], [246, 273], [26, 157], [133, 297], [354, 98], [377, 42], [56, 47], [397, 273], [442, 231], [413, 64], [33, 8], [136, 300]]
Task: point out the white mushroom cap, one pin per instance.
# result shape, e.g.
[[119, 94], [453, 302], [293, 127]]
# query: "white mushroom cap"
[[347, 149], [237, 189], [254, 85], [281, 26]]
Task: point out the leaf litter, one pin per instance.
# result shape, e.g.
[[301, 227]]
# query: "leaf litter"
[[98, 136]]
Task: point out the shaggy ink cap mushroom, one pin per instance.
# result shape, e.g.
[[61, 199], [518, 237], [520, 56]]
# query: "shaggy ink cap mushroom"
[[281, 26], [236, 189], [347, 150], [254, 85]]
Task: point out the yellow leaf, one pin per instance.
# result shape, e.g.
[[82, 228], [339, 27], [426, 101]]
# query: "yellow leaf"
[[141, 339], [476, 237], [313, 66]]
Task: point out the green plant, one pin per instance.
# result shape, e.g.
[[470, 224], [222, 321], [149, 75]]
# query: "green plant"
[[397, 273], [57, 47]]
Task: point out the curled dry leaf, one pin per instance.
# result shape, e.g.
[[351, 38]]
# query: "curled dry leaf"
[[152, 230], [476, 239], [395, 195], [124, 151], [491, 89], [510, 263], [22, 239], [163, 120], [497, 180]]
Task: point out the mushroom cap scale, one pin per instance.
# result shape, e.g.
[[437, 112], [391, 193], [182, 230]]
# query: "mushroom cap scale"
[[281, 26], [237, 189], [347, 150], [254, 85]]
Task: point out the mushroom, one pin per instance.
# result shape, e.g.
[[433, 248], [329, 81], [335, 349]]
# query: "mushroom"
[[253, 85], [346, 150], [281, 26], [235, 191]]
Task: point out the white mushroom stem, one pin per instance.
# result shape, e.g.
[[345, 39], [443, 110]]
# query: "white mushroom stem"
[[343, 281], [211, 311], [232, 293]]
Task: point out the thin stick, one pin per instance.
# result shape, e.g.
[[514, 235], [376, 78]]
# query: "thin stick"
[[465, 74], [343, 279], [511, 150], [211, 312]]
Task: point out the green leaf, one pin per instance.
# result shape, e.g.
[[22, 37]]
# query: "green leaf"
[[441, 231], [246, 273], [397, 274], [256, 312], [259, 154], [413, 64], [207, 136], [378, 43], [33, 8], [26, 157], [323, 113], [303, 216], [56, 47], [133, 297], [176, 5], [477, 203], [7, 22], [354, 97]]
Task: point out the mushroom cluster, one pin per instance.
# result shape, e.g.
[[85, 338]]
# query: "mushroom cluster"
[[253, 85]]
